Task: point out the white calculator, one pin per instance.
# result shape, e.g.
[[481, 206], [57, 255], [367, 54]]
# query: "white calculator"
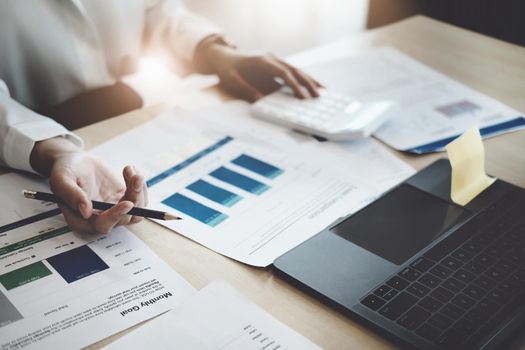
[[332, 116]]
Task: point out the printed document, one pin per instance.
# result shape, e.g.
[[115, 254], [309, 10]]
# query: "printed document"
[[63, 290], [250, 193], [432, 108], [217, 317]]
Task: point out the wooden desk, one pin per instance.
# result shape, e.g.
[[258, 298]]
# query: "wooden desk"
[[490, 66]]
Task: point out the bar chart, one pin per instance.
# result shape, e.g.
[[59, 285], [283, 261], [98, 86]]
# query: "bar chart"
[[229, 186], [71, 265]]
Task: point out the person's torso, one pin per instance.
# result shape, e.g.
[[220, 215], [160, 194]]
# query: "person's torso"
[[51, 50]]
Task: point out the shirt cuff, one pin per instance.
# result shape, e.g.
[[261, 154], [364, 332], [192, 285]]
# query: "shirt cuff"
[[21, 139]]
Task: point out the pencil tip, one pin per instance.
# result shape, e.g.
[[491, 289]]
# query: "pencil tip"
[[171, 217]]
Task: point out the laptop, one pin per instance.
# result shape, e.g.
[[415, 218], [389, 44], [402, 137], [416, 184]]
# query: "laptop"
[[421, 270]]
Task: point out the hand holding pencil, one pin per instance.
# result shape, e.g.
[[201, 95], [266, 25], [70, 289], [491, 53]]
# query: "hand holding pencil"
[[90, 179], [77, 177]]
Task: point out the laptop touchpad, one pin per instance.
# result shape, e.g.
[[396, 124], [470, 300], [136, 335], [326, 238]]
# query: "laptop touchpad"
[[401, 223]]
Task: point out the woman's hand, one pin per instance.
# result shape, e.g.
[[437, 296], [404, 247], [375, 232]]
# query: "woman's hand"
[[78, 177], [250, 77]]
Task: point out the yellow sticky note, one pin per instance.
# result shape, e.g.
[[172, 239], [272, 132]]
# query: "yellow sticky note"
[[467, 158]]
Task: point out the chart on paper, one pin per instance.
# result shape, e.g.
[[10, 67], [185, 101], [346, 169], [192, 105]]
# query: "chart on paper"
[[64, 290], [225, 182], [228, 186], [240, 195]]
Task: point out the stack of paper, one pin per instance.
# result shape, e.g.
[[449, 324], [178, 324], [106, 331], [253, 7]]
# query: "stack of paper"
[[63, 290], [433, 109]]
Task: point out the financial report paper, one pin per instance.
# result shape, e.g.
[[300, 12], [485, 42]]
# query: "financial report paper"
[[246, 190], [217, 317], [63, 290], [432, 109]]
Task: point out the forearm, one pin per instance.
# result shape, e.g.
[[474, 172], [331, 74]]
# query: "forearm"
[[209, 51], [46, 152]]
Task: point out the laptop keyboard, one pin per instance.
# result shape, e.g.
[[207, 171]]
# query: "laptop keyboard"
[[465, 286]]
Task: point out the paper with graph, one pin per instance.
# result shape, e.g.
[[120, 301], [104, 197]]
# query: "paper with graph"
[[250, 194], [62, 290]]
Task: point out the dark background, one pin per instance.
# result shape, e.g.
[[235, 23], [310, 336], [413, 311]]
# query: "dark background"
[[502, 19]]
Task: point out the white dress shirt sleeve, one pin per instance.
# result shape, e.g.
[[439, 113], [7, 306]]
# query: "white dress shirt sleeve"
[[169, 22], [21, 128]]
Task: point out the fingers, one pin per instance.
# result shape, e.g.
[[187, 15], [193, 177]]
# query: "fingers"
[[136, 191], [107, 220], [78, 210], [74, 220], [235, 84], [135, 186], [318, 84], [251, 77], [307, 81], [100, 223], [290, 79], [64, 185]]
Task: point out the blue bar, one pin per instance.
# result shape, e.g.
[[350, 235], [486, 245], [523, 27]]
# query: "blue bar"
[[257, 166], [196, 210], [238, 180], [214, 193], [156, 179]]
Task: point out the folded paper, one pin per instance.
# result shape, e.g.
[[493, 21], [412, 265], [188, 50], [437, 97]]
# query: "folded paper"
[[467, 158]]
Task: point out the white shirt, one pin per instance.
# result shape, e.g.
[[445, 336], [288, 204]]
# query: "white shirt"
[[51, 50]]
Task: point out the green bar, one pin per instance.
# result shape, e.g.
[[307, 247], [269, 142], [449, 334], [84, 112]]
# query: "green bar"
[[33, 240], [24, 275]]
